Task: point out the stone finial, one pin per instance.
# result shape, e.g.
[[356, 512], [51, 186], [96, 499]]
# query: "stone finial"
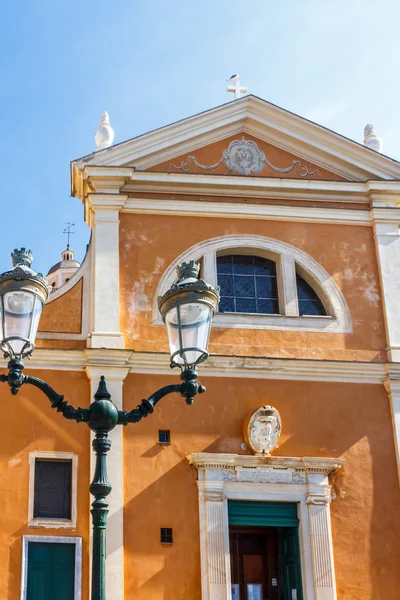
[[105, 134], [22, 257], [371, 140]]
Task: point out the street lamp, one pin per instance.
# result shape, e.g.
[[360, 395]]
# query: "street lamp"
[[187, 310]]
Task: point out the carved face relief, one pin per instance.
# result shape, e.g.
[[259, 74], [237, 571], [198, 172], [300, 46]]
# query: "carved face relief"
[[263, 429]]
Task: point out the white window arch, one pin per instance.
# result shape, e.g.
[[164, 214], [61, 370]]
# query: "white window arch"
[[289, 262]]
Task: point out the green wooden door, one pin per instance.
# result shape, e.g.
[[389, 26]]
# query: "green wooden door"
[[51, 571], [289, 537]]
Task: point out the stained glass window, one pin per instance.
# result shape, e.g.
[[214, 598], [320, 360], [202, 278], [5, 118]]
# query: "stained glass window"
[[248, 284], [309, 303]]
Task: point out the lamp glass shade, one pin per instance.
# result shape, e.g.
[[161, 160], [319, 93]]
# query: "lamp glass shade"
[[20, 316], [188, 328]]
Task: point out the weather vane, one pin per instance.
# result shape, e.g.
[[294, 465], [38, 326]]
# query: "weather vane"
[[68, 228]]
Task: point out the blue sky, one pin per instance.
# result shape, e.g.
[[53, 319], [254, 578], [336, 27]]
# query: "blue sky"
[[152, 63]]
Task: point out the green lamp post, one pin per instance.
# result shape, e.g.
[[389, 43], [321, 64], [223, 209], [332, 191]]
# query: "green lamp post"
[[187, 310]]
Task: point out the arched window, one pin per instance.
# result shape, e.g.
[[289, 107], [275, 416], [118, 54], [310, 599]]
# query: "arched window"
[[265, 284], [248, 284], [309, 302]]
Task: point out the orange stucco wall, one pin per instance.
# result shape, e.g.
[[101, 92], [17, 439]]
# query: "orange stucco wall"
[[148, 244], [64, 315], [351, 421], [212, 153], [30, 424]]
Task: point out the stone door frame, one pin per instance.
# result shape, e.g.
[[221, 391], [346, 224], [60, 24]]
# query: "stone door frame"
[[223, 477]]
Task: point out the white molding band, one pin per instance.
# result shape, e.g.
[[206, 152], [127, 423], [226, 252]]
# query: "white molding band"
[[31, 539], [233, 210], [115, 466], [45, 522], [223, 477], [157, 363], [338, 321]]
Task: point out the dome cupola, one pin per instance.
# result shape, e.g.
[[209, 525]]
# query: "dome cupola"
[[61, 272]]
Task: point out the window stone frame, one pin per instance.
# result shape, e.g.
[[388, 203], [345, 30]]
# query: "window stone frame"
[[48, 522], [287, 259], [29, 539]]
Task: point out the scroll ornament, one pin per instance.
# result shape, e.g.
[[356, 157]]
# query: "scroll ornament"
[[243, 157]]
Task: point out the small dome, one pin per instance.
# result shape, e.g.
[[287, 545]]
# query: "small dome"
[[62, 271], [64, 264]]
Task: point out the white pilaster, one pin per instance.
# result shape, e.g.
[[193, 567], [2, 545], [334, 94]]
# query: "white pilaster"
[[387, 240], [392, 386], [105, 322], [216, 578], [115, 527], [318, 501]]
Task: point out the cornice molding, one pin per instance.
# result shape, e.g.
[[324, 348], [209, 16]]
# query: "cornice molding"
[[307, 464], [215, 366], [107, 190], [261, 119], [387, 216], [234, 210], [246, 186]]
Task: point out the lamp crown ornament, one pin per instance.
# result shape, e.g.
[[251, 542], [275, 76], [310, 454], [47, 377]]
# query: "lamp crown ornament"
[[22, 257], [188, 270], [105, 134]]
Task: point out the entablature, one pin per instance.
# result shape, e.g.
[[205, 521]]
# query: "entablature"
[[244, 467], [123, 189], [157, 363]]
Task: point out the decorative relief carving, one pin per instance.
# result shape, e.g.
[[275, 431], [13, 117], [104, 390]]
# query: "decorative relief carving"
[[265, 475], [320, 499], [214, 496], [299, 478], [262, 430], [229, 475], [244, 157]]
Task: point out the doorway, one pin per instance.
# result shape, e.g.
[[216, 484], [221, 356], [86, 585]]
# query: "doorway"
[[264, 551]]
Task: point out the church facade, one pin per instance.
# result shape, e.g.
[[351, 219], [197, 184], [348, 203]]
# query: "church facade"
[[281, 482]]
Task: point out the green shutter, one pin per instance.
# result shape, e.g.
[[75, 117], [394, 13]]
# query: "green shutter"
[[291, 562], [263, 514], [51, 571]]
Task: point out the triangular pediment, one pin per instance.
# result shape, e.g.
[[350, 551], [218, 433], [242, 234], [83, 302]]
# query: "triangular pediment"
[[244, 154], [291, 146]]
